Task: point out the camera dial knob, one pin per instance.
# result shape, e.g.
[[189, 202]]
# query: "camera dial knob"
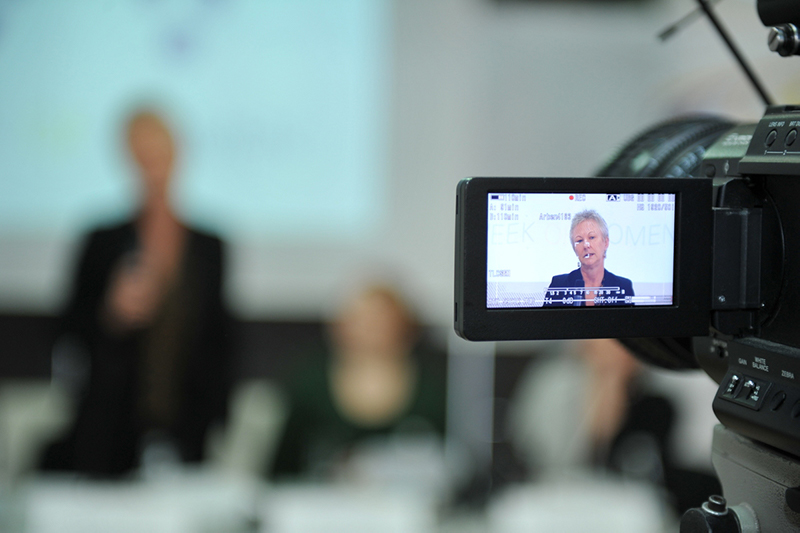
[[784, 39], [713, 517]]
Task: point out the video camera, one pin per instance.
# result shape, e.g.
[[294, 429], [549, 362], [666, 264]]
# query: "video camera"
[[682, 249]]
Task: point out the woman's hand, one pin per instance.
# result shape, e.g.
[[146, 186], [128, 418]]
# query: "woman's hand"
[[133, 296]]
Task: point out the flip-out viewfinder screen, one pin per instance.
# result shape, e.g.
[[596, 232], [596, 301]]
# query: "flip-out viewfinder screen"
[[580, 249]]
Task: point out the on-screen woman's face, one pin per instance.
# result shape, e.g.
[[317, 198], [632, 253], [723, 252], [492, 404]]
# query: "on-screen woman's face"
[[589, 244]]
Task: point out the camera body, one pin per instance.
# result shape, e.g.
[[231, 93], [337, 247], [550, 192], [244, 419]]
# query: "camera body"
[[716, 247], [722, 292], [696, 219]]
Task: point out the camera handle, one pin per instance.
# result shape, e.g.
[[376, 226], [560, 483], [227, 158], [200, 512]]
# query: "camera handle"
[[763, 484]]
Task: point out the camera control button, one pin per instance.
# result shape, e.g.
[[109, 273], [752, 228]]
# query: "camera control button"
[[791, 137], [771, 137], [796, 410], [730, 390], [777, 401]]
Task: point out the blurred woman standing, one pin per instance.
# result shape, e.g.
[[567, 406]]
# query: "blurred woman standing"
[[146, 307]]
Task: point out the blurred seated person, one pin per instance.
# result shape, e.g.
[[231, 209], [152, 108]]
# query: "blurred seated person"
[[371, 385], [146, 308], [614, 422]]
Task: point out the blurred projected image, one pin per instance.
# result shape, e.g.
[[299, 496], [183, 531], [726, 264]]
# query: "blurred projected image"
[[580, 250], [285, 103]]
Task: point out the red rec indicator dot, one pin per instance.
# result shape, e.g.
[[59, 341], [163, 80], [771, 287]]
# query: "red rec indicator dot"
[[571, 197]]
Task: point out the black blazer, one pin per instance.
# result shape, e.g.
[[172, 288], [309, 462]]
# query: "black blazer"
[[106, 435], [575, 280]]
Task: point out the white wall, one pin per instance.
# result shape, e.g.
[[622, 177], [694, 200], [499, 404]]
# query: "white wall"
[[478, 88]]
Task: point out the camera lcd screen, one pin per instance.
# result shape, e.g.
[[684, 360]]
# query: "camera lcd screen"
[[576, 249], [570, 258]]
